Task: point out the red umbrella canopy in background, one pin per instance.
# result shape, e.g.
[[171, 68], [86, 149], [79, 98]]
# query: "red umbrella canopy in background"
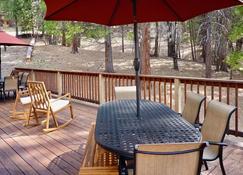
[[8, 40], [119, 12]]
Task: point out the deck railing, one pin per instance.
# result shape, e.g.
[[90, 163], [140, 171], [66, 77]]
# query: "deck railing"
[[171, 91]]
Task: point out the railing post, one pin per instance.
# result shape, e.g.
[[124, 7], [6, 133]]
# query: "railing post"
[[32, 75], [101, 89], [178, 95], [59, 83]]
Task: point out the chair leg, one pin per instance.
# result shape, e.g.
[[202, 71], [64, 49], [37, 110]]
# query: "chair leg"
[[71, 111], [4, 96], [205, 164], [15, 94], [54, 118], [221, 164], [48, 120], [35, 115], [14, 107], [28, 117]]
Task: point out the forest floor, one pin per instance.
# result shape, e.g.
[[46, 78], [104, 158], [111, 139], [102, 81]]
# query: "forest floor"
[[91, 58]]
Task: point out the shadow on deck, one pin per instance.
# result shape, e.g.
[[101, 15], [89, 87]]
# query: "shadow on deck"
[[27, 150]]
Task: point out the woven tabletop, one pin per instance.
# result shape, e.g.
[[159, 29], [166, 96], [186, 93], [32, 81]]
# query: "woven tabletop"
[[118, 129]]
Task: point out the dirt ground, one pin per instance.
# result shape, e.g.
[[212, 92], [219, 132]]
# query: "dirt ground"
[[91, 58]]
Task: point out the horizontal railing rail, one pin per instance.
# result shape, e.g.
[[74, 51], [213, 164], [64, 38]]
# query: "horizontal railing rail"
[[98, 87]]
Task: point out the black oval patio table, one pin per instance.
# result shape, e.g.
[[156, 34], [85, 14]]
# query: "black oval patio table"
[[118, 129]]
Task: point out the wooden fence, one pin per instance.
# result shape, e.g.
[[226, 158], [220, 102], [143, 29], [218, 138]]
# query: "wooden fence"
[[171, 91]]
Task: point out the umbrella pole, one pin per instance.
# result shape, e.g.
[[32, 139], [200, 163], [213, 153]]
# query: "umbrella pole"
[[0, 63], [136, 62], [137, 68]]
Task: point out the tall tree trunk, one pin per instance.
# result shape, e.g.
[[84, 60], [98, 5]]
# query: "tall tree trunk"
[[43, 30], [108, 53], [231, 75], [145, 49], [222, 54], [221, 41], [16, 27], [178, 34], [239, 44], [79, 40], [230, 46], [204, 47], [192, 41], [208, 51], [36, 12], [64, 34], [203, 37], [123, 48], [156, 41], [75, 44], [172, 44]]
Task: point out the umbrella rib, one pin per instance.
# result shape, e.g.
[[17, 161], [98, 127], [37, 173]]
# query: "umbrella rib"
[[172, 9], [114, 12], [62, 8]]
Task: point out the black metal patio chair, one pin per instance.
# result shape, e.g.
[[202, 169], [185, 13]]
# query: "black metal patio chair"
[[214, 128], [169, 159]]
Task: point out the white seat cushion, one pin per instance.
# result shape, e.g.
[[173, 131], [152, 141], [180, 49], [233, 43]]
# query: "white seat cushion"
[[25, 100], [210, 152], [125, 92], [59, 104]]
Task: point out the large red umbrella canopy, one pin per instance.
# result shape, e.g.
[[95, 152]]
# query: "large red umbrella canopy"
[[8, 40], [118, 12]]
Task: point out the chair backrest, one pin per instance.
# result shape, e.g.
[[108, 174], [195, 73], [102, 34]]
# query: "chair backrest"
[[10, 83], [192, 107], [24, 79], [39, 96], [216, 122], [14, 73], [125, 92], [20, 75], [169, 159], [89, 153]]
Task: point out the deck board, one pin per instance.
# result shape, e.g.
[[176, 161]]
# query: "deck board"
[[28, 150]]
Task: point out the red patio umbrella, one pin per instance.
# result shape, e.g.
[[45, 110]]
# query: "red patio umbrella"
[[119, 12], [8, 40]]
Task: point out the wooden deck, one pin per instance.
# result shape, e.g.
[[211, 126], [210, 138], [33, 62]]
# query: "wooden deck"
[[27, 150]]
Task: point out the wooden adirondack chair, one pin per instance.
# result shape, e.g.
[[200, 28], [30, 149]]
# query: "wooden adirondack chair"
[[23, 100], [42, 103]]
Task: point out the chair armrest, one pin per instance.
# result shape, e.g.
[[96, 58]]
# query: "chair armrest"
[[217, 143], [68, 95], [49, 94], [198, 126]]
